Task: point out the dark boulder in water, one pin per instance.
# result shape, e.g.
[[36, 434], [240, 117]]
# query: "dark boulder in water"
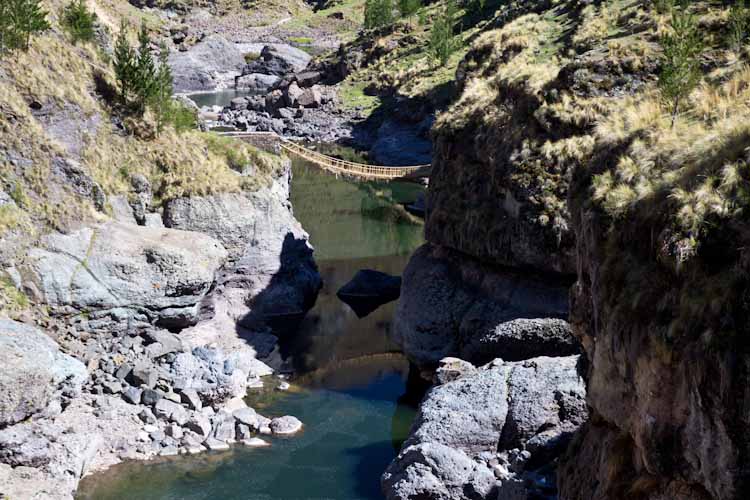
[[369, 290]]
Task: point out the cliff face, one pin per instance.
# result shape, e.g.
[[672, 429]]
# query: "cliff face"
[[561, 158]]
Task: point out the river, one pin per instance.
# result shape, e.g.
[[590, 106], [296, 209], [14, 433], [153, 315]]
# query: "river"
[[350, 382]]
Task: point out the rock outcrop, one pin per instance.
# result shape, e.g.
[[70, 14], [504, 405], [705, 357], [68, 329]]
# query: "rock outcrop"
[[453, 305], [489, 432], [35, 376], [271, 271], [668, 356], [125, 271]]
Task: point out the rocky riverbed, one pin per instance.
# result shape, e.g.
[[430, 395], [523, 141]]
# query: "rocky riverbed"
[[109, 379]]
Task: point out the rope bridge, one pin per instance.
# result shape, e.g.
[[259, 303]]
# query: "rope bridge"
[[335, 165]]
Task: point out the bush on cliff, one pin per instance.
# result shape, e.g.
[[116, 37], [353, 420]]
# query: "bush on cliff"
[[19, 20]]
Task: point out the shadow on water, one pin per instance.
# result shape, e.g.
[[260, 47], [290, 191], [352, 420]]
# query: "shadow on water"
[[352, 389]]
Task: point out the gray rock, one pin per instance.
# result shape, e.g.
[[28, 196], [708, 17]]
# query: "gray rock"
[[214, 444], [285, 425], [308, 78], [132, 395], [111, 387], [243, 432], [279, 60], [199, 424], [506, 419], [449, 303], [151, 396], [122, 263], [169, 410], [223, 427], [174, 431], [145, 375], [522, 339], [147, 416], [210, 62], [257, 82], [238, 103], [123, 371], [246, 416], [272, 259], [34, 372], [292, 95], [191, 399], [310, 98], [450, 369]]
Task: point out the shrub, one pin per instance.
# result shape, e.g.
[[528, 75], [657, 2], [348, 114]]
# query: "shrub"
[[475, 7], [378, 13], [124, 62], [681, 62], [79, 21]]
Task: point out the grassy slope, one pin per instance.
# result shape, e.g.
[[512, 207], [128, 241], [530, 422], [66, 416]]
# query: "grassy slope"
[[61, 77]]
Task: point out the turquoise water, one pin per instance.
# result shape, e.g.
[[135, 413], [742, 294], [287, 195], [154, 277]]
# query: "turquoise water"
[[351, 383]]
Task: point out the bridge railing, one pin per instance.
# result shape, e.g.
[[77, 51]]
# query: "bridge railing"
[[335, 164]]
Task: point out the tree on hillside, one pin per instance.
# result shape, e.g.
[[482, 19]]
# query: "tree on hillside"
[[474, 7], [19, 20], [680, 71], [145, 71], [161, 100], [378, 13], [407, 8], [125, 64], [442, 43], [79, 21]]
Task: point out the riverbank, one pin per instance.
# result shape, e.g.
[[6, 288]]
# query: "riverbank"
[[348, 381]]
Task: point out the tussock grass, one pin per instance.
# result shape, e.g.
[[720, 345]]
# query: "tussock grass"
[[697, 171]]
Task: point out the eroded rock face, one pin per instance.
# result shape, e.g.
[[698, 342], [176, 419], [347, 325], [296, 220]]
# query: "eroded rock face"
[[35, 374], [669, 362], [478, 436], [272, 270], [162, 273], [451, 305]]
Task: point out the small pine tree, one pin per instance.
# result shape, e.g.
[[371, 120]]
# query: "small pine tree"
[[378, 13], [681, 61], [125, 64], [25, 18], [161, 100], [739, 25], [79, 21], [441, 42], [144, 83], [5, 26], [407, 8]]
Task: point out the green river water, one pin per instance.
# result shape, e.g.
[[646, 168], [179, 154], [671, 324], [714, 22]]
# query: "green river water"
[[350, 378]]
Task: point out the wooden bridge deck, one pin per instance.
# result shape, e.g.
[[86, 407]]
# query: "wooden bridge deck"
[[336, 165]]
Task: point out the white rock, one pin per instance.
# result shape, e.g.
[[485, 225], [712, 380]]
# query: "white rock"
[[256, 443]]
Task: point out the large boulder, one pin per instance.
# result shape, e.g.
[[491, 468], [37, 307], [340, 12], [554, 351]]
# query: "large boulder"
[[279, 60], [34, 374], [257, 82], [368, 290], [211, 63], [161, 273], [452, 305], [484, 433]]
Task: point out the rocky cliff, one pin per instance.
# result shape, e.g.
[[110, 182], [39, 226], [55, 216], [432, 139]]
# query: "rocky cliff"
[[559, 164]]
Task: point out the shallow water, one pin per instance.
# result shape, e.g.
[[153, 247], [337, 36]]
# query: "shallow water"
[[221, 98], [350, 384]]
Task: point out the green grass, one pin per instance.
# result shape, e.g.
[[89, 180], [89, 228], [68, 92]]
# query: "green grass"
[[353, 96]]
